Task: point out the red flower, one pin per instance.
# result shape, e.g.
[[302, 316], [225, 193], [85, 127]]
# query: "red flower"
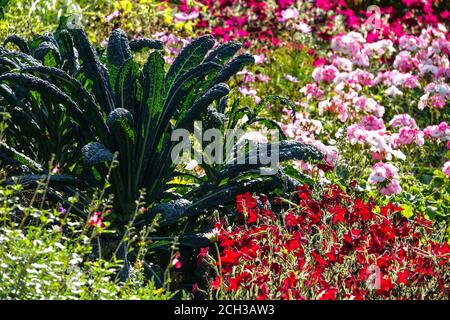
[[230, 256], [328, 294], [338, 214], [390, 208], [386, 286], [216, 283]]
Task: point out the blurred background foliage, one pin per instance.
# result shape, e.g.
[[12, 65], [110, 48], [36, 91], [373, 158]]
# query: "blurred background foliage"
[[28, 18]]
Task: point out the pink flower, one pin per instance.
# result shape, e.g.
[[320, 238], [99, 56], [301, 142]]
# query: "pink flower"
[[408, 42], [262, 77], [438, 132], [437, 101], [382, 171], [325, 73], [319, 62], [247, 76], [112, 16], [409, 135], [246, 91], [446, 169], [369, 105], [393, 91], [288, 14], [260, 58], [96, 220], [312, 90], [181, 16], [356, 134], [302, 27], [392, 188], [56, 169], [290, 78], [403, 120], [372, 123], [176, 262], [404, 62]]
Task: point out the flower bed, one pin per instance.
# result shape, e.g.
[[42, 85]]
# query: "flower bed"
[[329, 245]]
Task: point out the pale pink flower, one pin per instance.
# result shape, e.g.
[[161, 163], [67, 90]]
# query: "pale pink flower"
[[325, 73], [408, 135], [311, 90], [382, 171], [446, 169], [391, 188], [437, 101], [290, 13], [291, 78], [112, 16], [182, 16], [262, 77], [302, 27], [259, 58], [393, 91]]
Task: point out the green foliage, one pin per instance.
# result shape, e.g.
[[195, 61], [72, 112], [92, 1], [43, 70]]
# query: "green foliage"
[[46, 254], [73, 108]]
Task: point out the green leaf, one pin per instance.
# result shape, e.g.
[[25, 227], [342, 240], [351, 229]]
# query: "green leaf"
[[191, 56], [127, 86], [19, 42], [94, 70], [118, 52], [145, 43]]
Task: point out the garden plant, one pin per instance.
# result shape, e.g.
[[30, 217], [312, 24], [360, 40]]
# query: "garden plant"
[[225, 150]]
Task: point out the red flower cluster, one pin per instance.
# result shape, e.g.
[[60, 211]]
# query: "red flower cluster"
[[332, 247], [403, 16], [261, 20], [241, 19]]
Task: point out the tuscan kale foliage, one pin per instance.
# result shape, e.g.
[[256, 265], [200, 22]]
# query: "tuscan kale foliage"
[[81, 108]]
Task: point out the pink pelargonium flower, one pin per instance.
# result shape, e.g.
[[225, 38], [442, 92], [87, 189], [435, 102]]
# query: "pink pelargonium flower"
[[369, 105], [356, 134], [446, 169], [325, 73], [438, 132], [372, 123], [382, 171], [247, 91], [391, 188], [403, 120], [291, 78], [288, 14], [302, 27], [408, 135], [262, 77], [259, 58], [56, 169], [437, 101], [311, 90]]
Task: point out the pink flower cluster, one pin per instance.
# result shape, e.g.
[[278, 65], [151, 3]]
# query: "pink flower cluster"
[[360, 78], [385, 174]]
